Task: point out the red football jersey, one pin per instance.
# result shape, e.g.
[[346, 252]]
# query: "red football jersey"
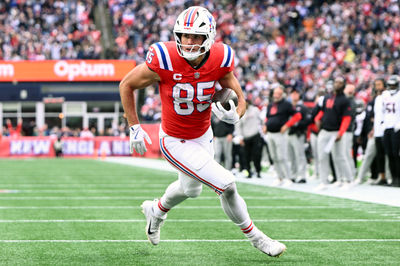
[[186, 92]]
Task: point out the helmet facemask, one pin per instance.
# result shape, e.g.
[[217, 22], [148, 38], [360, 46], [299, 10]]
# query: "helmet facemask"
[[195, 51], [393, 84]]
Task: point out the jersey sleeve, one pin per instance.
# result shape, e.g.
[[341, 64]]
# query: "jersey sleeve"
[[158, 58]]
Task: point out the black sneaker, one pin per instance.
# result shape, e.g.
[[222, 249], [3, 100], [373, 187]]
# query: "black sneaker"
[[382, 182]]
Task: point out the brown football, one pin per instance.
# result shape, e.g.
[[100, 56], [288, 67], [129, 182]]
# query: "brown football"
[[224, 96]]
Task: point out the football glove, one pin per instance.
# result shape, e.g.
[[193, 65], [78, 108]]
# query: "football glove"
[[230, 117], [397, 127], [136, 139]]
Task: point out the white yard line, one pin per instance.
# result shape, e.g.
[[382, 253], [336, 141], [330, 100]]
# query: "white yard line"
[[129, 198], [203, 221], [183, 240], [82, 190], [177, 207], [83, 186], [367, 193]]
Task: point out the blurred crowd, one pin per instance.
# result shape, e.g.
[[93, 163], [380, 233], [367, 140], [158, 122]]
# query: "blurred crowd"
[[43, 30], [300, 44], [297, 45]]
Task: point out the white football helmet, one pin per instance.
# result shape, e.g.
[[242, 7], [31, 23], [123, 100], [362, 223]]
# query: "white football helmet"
[[393, 83], [195, 20]]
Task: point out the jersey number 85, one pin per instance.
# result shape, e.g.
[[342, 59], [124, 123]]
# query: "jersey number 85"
[[185, 93]]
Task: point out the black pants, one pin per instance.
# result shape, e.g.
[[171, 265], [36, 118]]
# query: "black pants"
[[238, 156], [252, 150], [358, 141], [265, 144], [391, 142], [380, 155]]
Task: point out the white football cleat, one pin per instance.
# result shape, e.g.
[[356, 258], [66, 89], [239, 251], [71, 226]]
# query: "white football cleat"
[[153, 224], [266, 245], [287, 183], [277, 182], [336, 184], [321, 187]]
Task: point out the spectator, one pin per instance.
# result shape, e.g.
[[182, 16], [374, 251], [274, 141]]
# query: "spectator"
[[277, 124], [58, 147], [349, 91], [297, 140], [14, 132], [248, 128], [223, 135], [333, 121]]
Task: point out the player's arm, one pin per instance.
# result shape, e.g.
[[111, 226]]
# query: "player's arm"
[[230, 81], [138, 78]]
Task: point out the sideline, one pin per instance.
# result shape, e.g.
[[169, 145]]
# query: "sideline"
[[183, 240], [367, 193]]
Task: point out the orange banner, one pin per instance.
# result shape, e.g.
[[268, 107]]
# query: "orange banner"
[[64, 70]]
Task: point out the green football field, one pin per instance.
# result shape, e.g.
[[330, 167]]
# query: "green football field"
[[87, 212]]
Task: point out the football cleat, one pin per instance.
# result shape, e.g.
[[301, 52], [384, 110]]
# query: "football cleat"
[[266, 245], [153, 224]]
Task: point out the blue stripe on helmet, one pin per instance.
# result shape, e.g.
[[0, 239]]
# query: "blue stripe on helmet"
[[190, 15]]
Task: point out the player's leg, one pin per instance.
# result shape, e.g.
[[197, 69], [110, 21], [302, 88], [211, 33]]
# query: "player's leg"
[[348, 138], [257, 152], [274, 156], [314, 149], [228, 153], [195, 159], [302, 161], [323, 158], [282, 157], [292, 155], [396, 153], [218, 148], [339, 151], [248, 155], [156, 211], [369, 155], [236, 209]]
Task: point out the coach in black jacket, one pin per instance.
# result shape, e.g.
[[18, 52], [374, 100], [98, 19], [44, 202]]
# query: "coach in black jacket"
[[278, 113], [333, 119]]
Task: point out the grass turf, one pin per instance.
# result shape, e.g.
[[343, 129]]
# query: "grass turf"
[[317, 230]]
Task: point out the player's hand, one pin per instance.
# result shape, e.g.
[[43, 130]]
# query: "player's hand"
[[318, 125], [338, 137], [397, 127], [230, 117], [136, 139], [284, 128]]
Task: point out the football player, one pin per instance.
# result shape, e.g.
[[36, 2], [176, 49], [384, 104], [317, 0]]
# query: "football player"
[[391, 123], [186, 71]]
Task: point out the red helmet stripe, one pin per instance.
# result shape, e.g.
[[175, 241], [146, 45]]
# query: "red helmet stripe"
[[192, 15], [186, 17]]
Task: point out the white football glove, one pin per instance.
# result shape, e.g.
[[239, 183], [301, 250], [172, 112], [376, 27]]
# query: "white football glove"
[[397, 127], [136, 139], [230, 117]]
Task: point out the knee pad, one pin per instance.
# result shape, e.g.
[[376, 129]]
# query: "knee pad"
[[193, 192], [229, 191]]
